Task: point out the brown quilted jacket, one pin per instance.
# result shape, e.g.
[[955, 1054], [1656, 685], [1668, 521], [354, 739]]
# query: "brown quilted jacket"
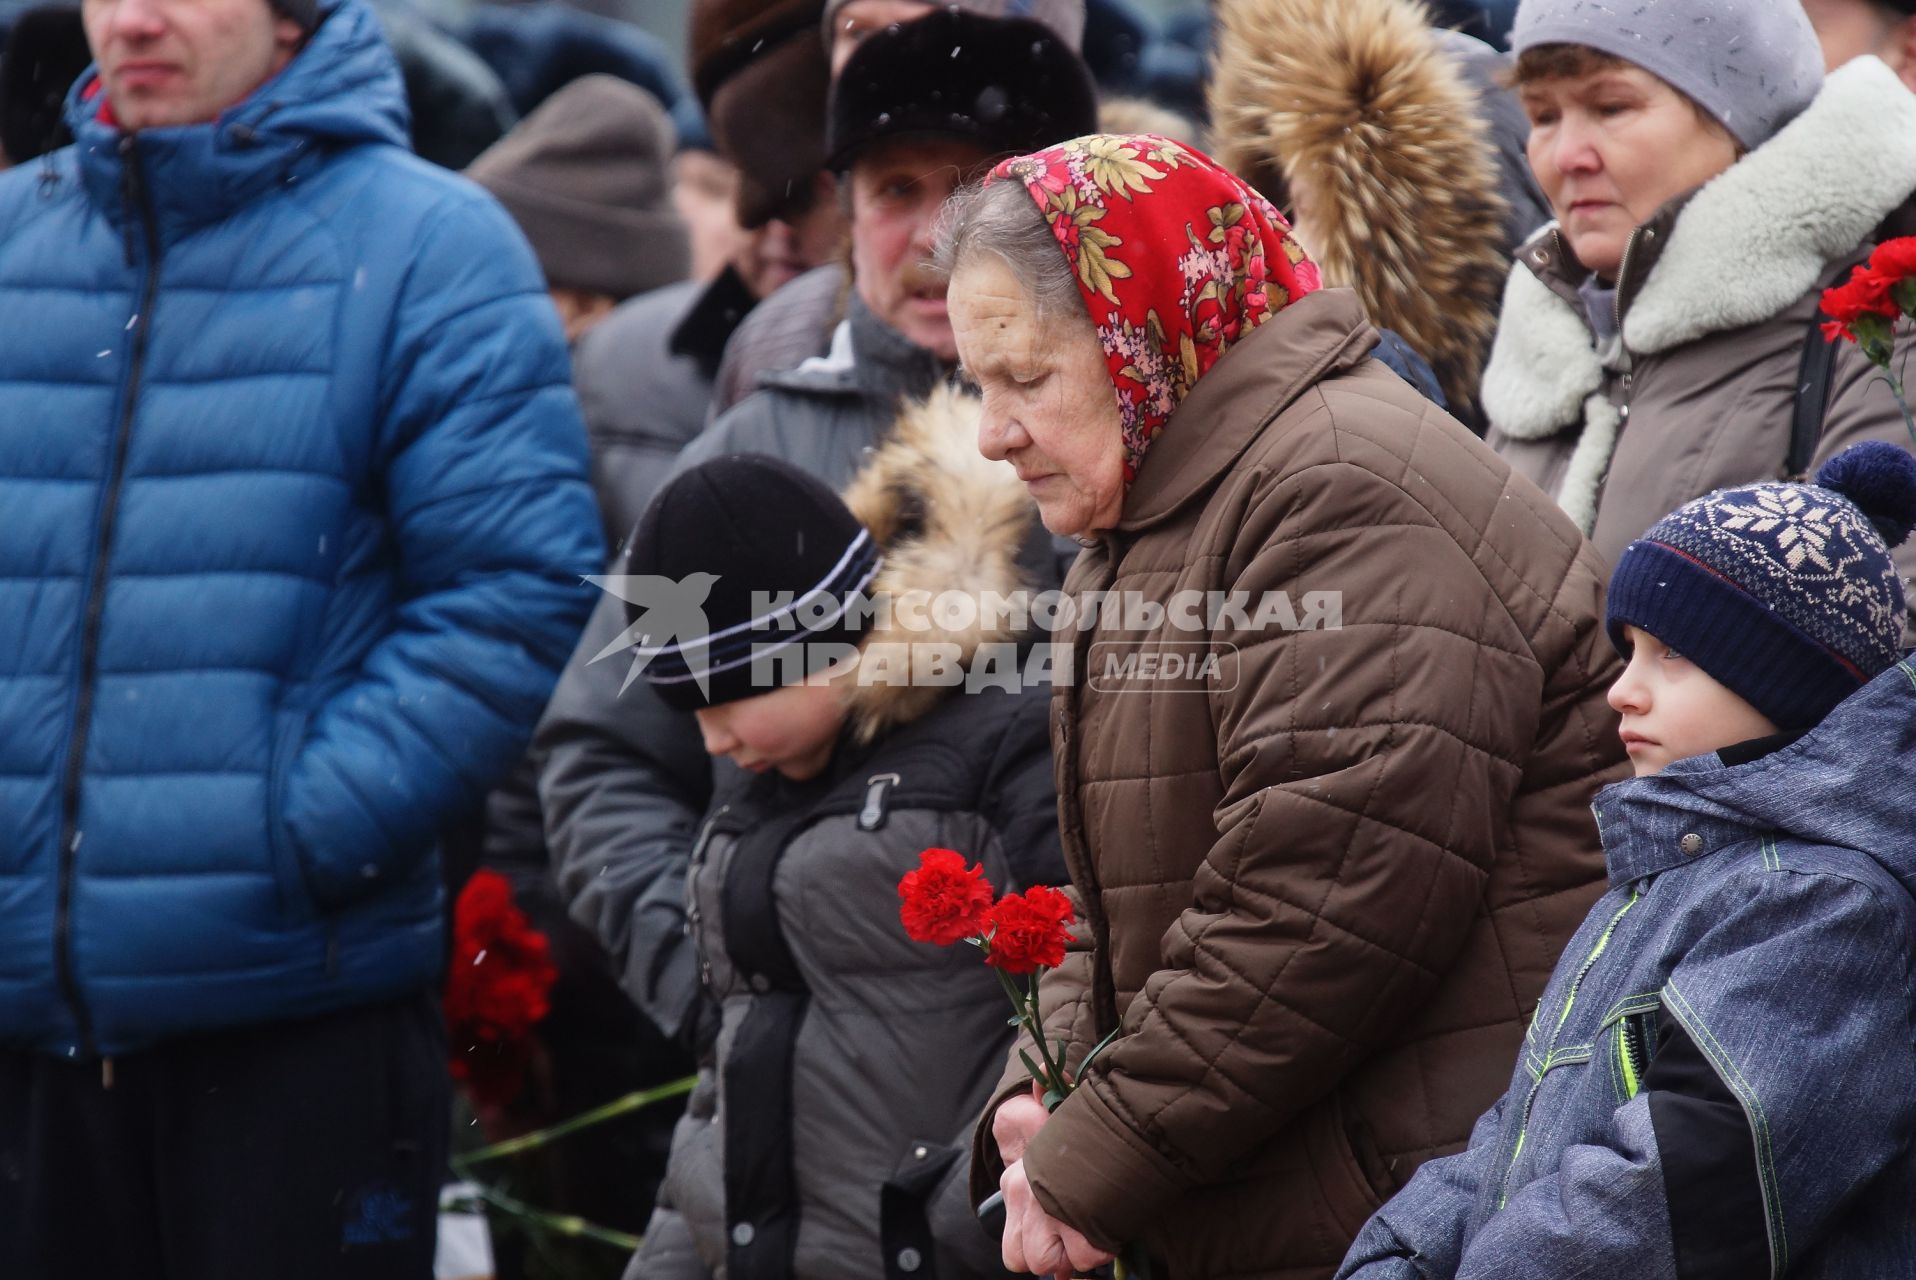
[[1324, 881]]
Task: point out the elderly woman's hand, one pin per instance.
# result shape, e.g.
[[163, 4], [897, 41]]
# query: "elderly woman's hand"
[[1016, 1123], [1036, 1242]]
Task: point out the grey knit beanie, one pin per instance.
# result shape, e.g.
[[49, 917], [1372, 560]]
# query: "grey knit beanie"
[[1753, 64], [1065, 17], [585, 177]]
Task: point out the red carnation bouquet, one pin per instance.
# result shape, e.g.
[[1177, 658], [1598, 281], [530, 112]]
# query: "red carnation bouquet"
[[1865, 308], [1021, 935], [498, 988]]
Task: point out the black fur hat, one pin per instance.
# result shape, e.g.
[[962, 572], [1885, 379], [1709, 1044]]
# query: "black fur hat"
[[1009, 84]]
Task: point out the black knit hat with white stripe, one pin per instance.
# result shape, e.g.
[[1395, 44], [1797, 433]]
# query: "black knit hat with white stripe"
[[784, 558]]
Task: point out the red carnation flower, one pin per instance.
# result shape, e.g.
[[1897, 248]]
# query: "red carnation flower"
[[498, 987], [1029, 930], [1895, 259], [1864, 293], [943, 902]]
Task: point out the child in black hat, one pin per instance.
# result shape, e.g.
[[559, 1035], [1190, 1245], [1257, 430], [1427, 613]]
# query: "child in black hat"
[[830, 1131]]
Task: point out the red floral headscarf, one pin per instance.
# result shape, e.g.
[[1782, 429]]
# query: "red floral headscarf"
[[1176, 260]]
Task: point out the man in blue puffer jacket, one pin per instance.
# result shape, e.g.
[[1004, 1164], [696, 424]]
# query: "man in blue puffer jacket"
[[293, 509]]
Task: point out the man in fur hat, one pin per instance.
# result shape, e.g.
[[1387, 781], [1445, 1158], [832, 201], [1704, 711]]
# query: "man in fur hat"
[[799, 322]]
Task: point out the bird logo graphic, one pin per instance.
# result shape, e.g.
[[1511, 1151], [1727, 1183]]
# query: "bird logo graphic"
[[668, 614]]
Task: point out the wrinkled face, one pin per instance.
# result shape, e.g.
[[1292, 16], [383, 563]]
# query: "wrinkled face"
[[175, 62], [898, 189], [1849, 29], [1050, 409], [792, 729], [1672, 710], [1610, 148], [787, 247], [862, 18]]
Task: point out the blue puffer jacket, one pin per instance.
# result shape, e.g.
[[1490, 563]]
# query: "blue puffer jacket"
[[1720, 1080], [293, 505]]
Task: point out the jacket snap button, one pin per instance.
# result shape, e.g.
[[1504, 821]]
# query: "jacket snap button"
[[761, 983], [1691, 844], [909, 1260], [742, 1234], [919, 1153]]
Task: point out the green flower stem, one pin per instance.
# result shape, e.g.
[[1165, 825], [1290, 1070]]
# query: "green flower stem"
[[585, 1120], [1902, 402], [1026, 1004], [563, 1224], [1130, 1264]]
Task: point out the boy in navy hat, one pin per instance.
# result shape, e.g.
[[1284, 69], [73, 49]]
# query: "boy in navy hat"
[[1721, 1077]]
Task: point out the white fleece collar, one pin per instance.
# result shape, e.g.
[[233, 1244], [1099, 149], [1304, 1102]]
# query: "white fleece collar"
[[1747, 245]]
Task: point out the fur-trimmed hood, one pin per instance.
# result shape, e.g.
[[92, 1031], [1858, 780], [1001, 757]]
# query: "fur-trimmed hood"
[[948, 520], [1744, 248], [1355, 104]]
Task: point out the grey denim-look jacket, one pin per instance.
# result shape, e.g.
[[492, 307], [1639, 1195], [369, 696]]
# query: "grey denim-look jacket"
[[1720, 1079]]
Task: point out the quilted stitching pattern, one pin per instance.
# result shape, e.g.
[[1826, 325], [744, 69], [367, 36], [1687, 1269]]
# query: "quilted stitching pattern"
[[342, 576], [1336, 876]]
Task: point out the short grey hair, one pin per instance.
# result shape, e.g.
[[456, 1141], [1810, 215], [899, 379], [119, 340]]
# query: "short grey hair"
[[1001, 218]]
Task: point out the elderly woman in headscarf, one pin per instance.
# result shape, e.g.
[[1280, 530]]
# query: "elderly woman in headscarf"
[[1325, 765]]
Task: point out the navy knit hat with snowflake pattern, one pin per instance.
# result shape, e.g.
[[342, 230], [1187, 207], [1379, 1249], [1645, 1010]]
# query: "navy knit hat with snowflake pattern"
[[1783, 593]]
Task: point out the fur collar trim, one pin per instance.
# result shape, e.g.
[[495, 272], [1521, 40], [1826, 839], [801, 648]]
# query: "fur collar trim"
[[1357, 104], [1763, 233], [1746, 246], [948, 519]]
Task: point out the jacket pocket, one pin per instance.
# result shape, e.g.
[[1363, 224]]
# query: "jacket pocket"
[[694, 1185], [922, 1224], [1351, 1174], [295, 895]]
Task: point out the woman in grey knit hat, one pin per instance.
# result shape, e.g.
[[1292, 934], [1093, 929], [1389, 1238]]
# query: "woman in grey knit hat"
[[1658, 340]]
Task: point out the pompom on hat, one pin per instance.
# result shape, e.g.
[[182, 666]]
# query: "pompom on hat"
[[1784, 593]]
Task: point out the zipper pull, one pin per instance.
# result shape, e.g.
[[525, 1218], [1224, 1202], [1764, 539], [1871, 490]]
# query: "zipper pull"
[[129, 211], [878, 791]]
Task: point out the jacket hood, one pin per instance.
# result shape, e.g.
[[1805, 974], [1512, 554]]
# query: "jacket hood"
[[1846, 782], [343, 88], [948, 520], [1355, 104]]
